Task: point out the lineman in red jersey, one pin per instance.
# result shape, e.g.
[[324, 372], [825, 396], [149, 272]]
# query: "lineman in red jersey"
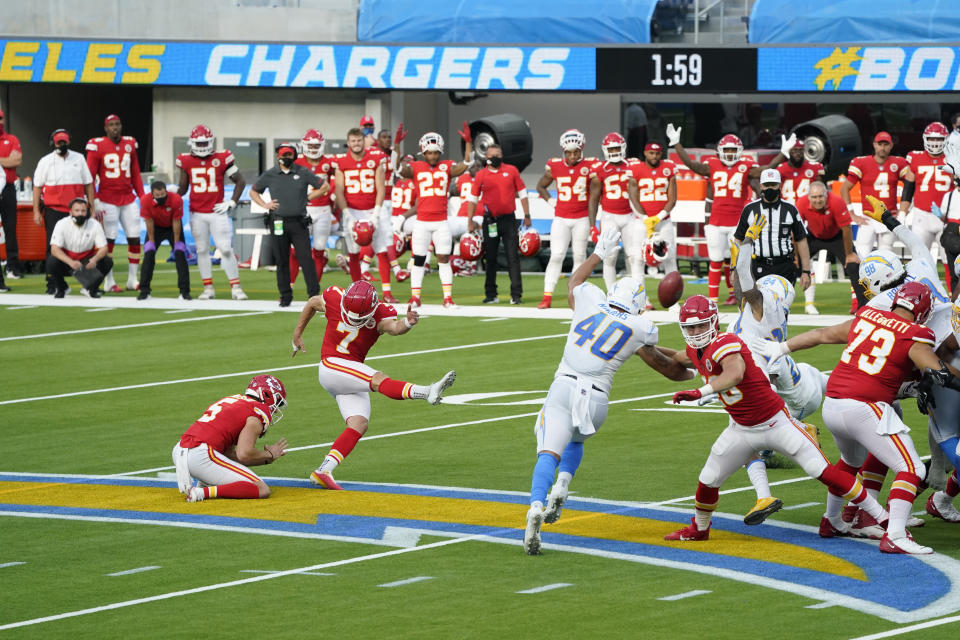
[[924, 185], [653, 192], [609, 189], [221, 444], [733, 179], [571, 212], [796, 174], [204, 172], [114, 165], [432, 176], [355, 320], [359, 180], [319, 209], [878, 176], [882, 349], [403, 201], [390, 264], [759, 419]]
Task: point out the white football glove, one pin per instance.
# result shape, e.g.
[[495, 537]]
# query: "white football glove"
[[98, 207], [224, 207], [673, 134], [608, 242], [397, 222], [769, 349], [787, 143]]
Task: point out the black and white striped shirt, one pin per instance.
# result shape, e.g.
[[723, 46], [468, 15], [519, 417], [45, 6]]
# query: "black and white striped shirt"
[[783, 227]]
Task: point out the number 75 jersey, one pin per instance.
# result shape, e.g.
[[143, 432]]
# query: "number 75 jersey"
[[601, 338]]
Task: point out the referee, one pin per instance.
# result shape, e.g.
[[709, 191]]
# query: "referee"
[[782, 236], [288, 217]]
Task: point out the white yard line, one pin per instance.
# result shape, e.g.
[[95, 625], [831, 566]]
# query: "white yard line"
[[682, 596], [233, 583], [913, 627], [11, 564], [132, 326], [132, 571], [802, 505], [547, 587], [400, 583], [99, 309]]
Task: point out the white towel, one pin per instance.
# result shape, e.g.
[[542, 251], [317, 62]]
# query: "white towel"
[[580, 409], [890, 424]]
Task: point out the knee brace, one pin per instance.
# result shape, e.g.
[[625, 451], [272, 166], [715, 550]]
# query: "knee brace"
[[419, 261]]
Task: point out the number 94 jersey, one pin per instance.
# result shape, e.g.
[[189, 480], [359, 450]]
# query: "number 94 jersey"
[[601, 338]]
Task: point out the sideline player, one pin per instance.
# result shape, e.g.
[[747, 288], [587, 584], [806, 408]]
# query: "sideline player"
[[319, 209], [571, 216], [924, 185], [883, 346], [758, 420], [605, 331], [355, 320], [653, 193], [113, 163], [203, 170], [797, 173], [222, 443], [609, 189], [878, 176], [432, 177]]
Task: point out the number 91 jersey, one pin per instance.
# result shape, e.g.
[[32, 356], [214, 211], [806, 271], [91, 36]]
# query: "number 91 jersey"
[[601, 338]]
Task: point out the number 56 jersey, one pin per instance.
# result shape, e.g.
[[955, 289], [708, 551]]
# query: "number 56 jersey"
[[601, 338]]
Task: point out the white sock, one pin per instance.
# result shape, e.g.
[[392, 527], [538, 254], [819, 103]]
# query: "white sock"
[[899, 512], [702, 519], [810, 293], [757, 471], [328, 465]]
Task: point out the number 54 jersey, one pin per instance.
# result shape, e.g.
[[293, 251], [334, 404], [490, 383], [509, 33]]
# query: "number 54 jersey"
[[601, 338]]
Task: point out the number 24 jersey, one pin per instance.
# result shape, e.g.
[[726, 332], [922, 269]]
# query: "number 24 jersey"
[[601, 338]]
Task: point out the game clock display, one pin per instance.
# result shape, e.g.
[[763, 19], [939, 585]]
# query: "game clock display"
[[671, 69]]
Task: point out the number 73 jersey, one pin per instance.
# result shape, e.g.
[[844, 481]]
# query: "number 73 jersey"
[[601, 338], [876, 361]]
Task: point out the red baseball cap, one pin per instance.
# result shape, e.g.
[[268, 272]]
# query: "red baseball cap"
[[110, 118], [653, 146], [883, 136], [61, 135], [366, 120], [286, 146]]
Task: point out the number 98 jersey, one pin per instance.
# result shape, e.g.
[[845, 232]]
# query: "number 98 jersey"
[[920, 270], [601, 338]]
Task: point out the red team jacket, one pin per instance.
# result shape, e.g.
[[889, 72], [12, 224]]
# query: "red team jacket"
[[221, 424]]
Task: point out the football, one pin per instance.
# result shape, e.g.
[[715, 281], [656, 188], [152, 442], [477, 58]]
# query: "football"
[[670, 289]]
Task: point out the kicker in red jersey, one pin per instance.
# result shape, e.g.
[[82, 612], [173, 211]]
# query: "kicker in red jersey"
[[221, 424], [613, 178], [360, 178], [878, 180], [652, 184], [432, 187], [116, 168], [876, 361], [206, 178], [343, 340], [323, 167], [753, 400], [573, 186], [731, 190], [931, 183]]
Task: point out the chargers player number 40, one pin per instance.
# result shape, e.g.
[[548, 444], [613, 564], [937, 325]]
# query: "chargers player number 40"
[[599, 330]]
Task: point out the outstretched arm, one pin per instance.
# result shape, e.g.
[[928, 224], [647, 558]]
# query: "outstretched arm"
[[663, 364], [312, 306]]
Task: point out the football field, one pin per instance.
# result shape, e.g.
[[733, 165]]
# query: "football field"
[[95, 540]]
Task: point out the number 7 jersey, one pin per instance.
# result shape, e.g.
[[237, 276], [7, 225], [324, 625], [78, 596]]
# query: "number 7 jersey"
[[601, 338], [343, 340]]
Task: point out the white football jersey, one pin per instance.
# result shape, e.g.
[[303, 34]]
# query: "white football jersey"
[[922, 271], [800, 385], [601, 338], [772, 326]]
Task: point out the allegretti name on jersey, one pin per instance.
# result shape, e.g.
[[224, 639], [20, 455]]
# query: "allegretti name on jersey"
[[299, 65]]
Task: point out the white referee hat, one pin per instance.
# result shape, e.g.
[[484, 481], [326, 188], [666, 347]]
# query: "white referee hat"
[[770, 175]]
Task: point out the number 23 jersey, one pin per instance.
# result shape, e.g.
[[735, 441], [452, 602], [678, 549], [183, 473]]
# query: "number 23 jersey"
[[601, 338]]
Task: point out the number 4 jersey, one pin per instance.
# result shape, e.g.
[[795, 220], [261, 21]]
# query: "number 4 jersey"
[[601, 338], [876, 361]]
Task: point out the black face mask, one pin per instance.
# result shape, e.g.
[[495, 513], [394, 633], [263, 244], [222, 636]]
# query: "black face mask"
[[770, 195], [160, 201], [80, 220], [286, 161], [495, 162], [63, 149]]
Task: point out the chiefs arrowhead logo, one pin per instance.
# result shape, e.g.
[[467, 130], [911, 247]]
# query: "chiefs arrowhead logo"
[[215, 162]]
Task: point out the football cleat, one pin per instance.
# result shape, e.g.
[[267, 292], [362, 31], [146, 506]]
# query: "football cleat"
[[366, 275], [388, 297], [414, 302], [207, 294], [437, 388], [867, 527], [558, 496], [342, 262], [133, 285], [402, 275], [237, 293], [115, 289], [448, 303], [944, 511], [690, 533], [545, 303], [763, 509], [196, 494], [731, 301], [810, 309], [849, 514], [531, 537], [913, 522], [325, 480], [830, 530], [905, 545]]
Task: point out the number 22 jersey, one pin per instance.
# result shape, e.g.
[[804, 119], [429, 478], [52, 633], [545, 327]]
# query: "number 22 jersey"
[[601, 338]]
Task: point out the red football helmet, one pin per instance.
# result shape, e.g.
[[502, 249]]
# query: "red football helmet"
[[363, 232], [400, 243], [655, 250], [934, 137], [914, 297], [611, 141], [358, 303], [729, 149], [312, 144], [471, 246], [529, 243], [201, 141], [271, 392], [699, 321]]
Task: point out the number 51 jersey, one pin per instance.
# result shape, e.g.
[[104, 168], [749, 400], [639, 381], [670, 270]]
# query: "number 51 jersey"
[[601, 338]]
